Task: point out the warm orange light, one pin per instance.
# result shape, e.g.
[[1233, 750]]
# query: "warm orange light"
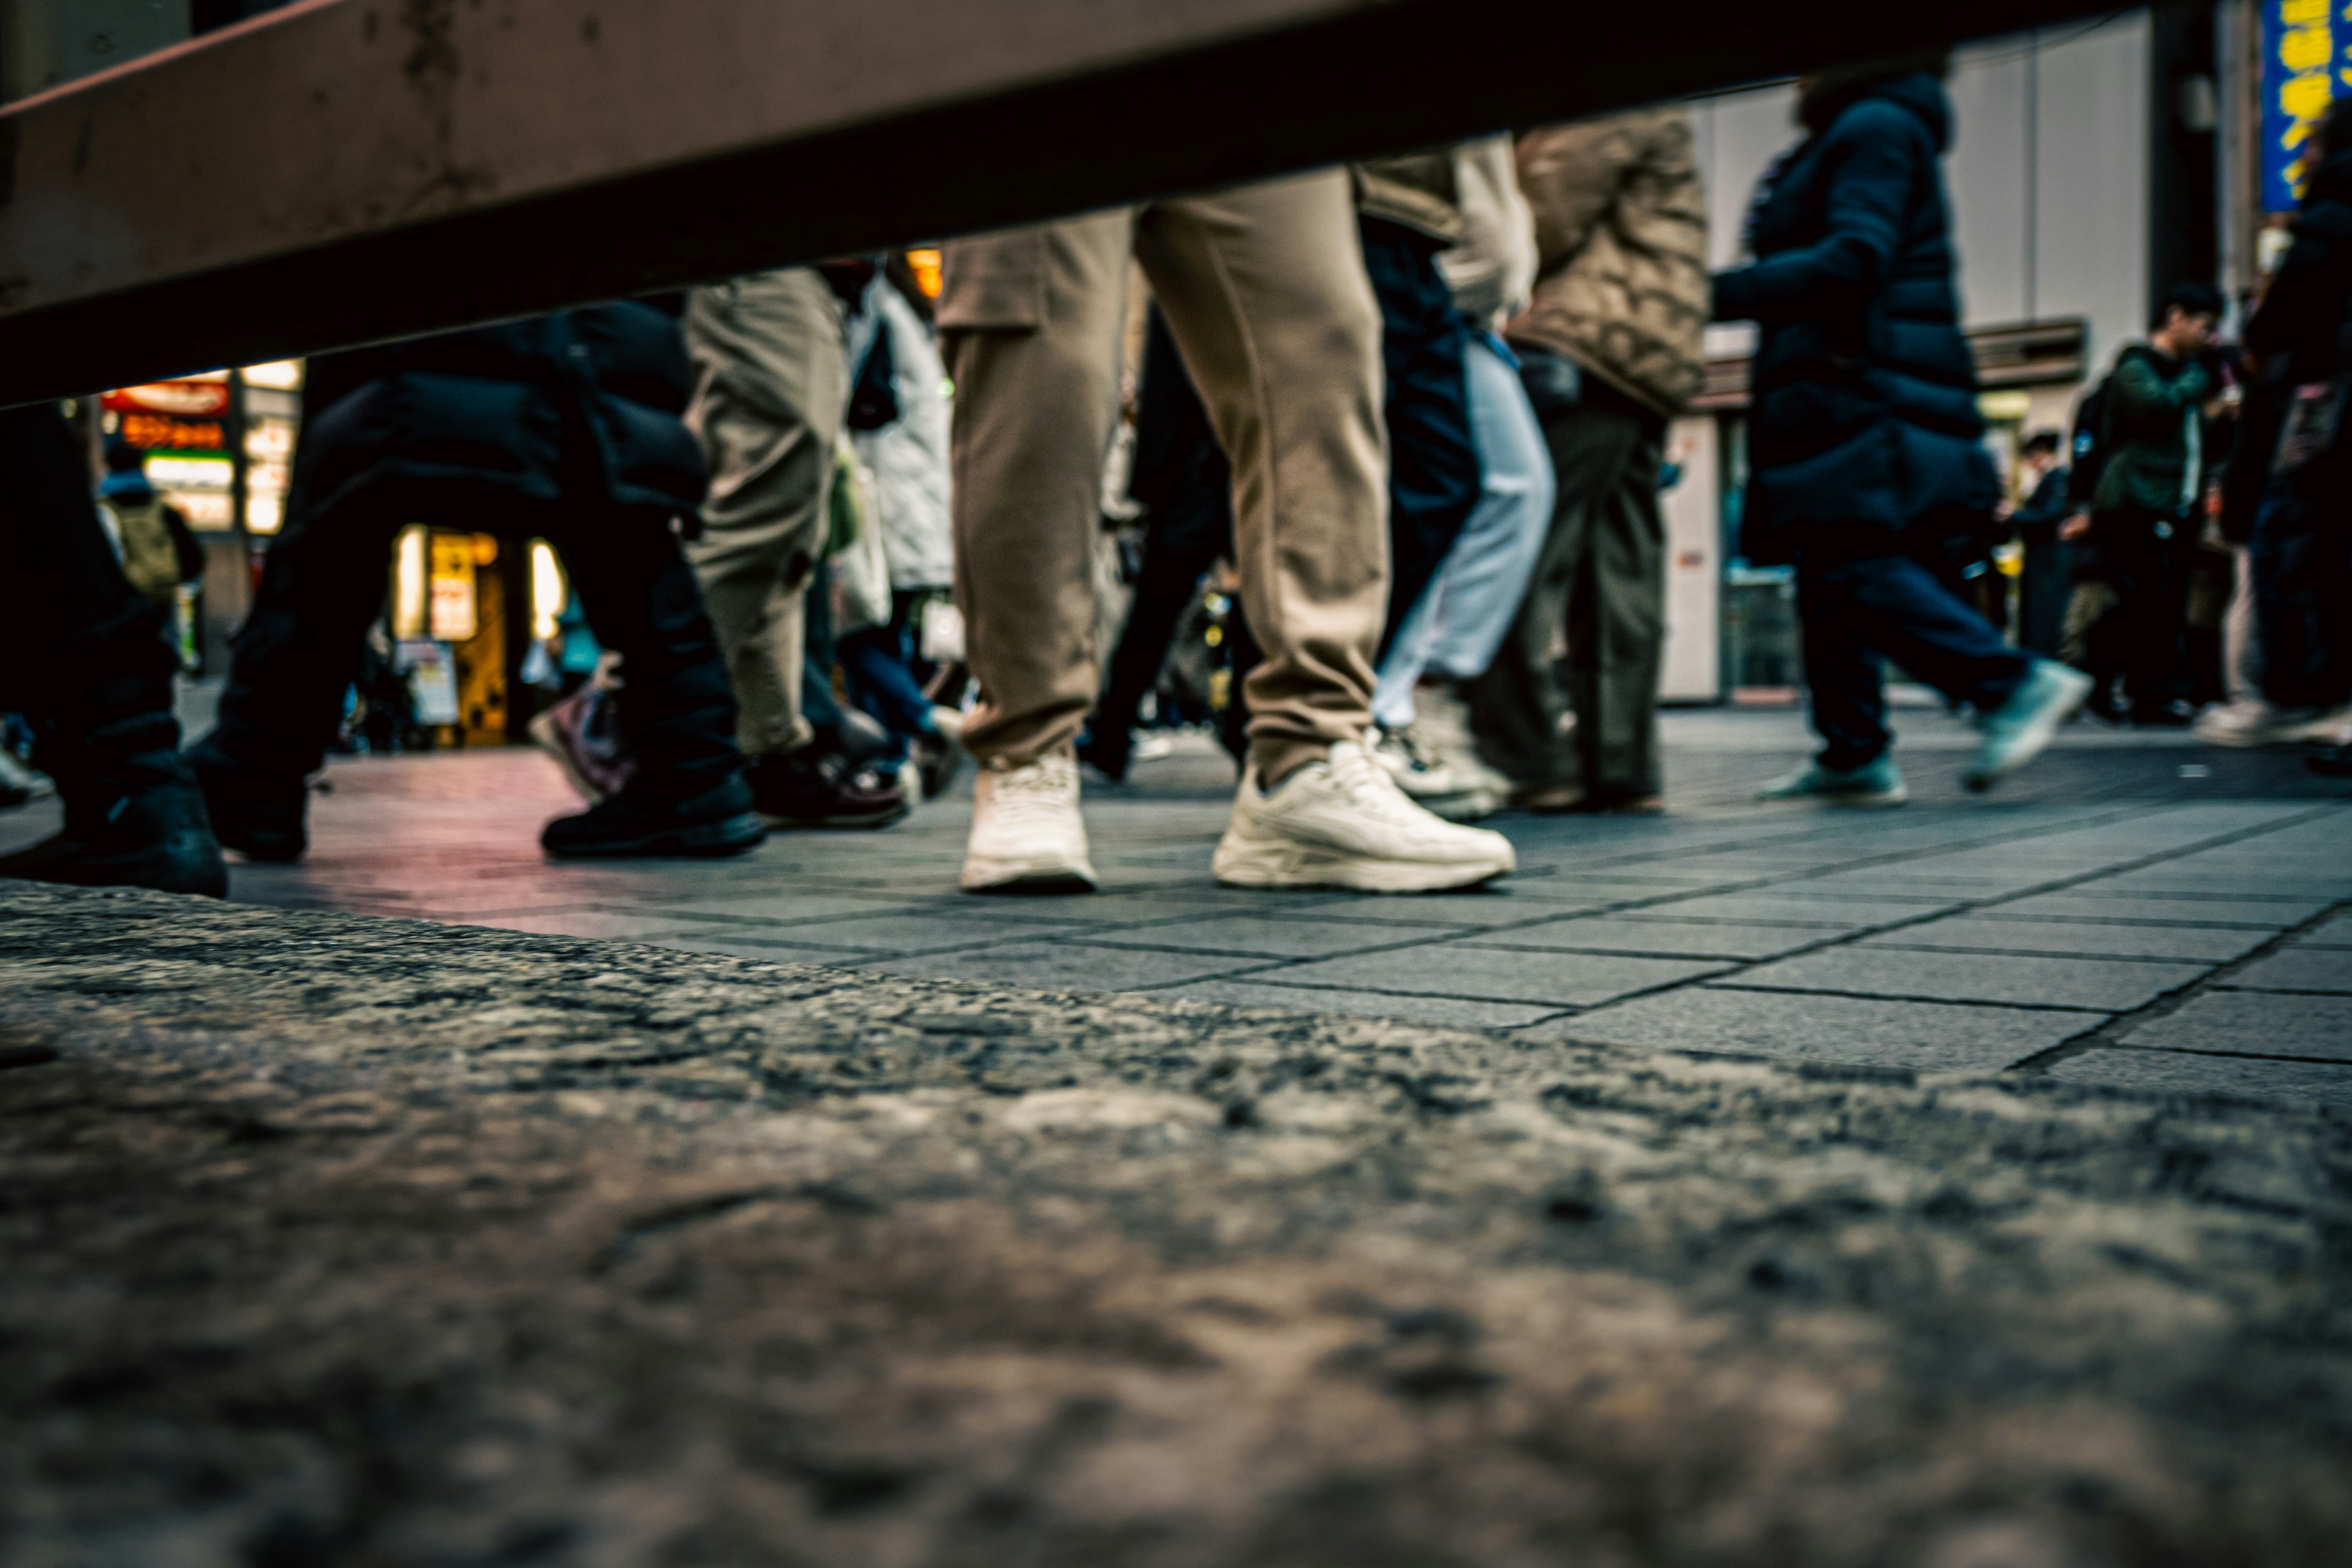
[[925, 266]]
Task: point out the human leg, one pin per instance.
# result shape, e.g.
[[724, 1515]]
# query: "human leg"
[[82, 655], [1164, 588], [1030, 321], [686, 791], [1845, 682], [1615, 648], [1518, 707], [1267, 300], [771, 387], [1433, 460], [1486, 577]]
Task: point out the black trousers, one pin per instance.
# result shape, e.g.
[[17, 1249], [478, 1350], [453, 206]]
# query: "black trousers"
[[1433, 462], [2139, 553], [82, 654], [324, 583], [1863, 604]]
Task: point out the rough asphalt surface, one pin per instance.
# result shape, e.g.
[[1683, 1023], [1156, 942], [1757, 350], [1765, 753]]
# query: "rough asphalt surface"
[[329, 1239]]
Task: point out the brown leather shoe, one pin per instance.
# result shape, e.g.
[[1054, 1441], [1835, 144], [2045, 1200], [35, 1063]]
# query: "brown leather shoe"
[[1548, 800]]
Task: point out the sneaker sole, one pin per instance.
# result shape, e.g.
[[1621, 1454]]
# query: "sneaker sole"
[[551, 744], [1240, 864], [730, 836], [1025, 876]]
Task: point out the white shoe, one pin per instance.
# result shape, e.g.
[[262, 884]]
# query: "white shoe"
[[1441, 728], [1343, 823], [2251, 722], [1432, 782], [1026, 833]]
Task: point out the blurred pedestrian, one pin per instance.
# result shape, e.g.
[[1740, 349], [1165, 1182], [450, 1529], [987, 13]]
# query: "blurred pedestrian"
[[905, 460], [1449, 636], [563, 426], [1610, 346], [1864, 443], [82, 656], [772, 364], [1267, 299], [2146, 506], [2300, 558], [159, 551], [2047, 576]]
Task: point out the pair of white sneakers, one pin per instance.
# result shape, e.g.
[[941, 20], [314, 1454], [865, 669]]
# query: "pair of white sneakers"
[[1339, 822]]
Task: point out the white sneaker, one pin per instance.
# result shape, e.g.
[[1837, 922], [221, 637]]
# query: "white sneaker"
[[1343, 823], [1431, 783], [2251, 722], [1026, 833]]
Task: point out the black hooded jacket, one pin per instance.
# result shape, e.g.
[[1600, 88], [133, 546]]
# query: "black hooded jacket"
[[1863, 394], [576, 405]]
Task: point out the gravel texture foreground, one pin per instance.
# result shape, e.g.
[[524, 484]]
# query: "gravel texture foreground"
[[329, 1239]]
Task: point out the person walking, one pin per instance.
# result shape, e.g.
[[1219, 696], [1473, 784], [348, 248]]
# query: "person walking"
[[1610, 350], [771, 387], [2146, 508], [1864, 443], [1449, 636], [563, 426], [1266, 298], [2298, 557], [2047, 576], [83, 657]]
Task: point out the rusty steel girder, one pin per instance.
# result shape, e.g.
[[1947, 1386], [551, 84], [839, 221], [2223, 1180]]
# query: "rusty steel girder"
[[348, 171]]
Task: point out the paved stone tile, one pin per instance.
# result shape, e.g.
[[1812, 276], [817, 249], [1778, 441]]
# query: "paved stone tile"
[[1299, 936], [1442, 1010], [2076, 904], [2108, 984], [1067, 966], [583, 922], [1994, 932], [2243, 882], [794, 907], [1927, 1036], [1504, 906], [1782, 905], [1497, 975], [2336, 930], [1180, 903], [1687, 939], [703, 941], [2182, 1072], [917, 932], [2256, 1023], [2297, 968]]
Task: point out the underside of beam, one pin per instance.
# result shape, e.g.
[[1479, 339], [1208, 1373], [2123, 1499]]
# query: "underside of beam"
[[350, 171]]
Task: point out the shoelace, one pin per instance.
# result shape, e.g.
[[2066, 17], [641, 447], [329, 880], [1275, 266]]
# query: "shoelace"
[[1365, 785], [1033, 793]]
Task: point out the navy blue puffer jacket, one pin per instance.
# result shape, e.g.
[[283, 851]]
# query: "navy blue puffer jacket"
[[1864, 406], [577, 405]]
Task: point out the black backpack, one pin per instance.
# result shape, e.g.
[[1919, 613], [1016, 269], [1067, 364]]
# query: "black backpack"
[[2087, 445]]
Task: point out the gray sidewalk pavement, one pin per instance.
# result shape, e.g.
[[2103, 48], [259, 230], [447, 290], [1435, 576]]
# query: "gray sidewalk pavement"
[[2135, 910]]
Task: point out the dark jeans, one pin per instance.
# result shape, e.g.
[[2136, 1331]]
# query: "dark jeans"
[[1433, 462], [2301, 557], [2144, 566], [1859, 610], [324, 582], [874, 666], [82, 653]]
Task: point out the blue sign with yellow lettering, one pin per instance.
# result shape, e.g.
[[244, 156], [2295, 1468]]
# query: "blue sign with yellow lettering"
[[2306, 62]]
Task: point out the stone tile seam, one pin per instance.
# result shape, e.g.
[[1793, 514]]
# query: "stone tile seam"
[[1909, 996], [2037, 953], [1965, 907], [2233, 1056], [2112, 1031]]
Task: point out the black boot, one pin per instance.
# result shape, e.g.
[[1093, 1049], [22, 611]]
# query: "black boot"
[[260, 816], [134, 817], [718, 821]]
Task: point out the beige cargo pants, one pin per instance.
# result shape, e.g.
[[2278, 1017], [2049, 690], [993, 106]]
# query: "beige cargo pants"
[[772, 388], [1264, 290]]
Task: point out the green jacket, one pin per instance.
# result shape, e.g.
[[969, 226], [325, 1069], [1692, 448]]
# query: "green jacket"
[[2151, 398]]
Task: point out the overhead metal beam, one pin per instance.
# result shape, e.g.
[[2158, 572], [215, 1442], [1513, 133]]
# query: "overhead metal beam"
[[347, 171]]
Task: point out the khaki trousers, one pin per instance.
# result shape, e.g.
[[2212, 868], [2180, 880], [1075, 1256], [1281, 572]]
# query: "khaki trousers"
[[1265, 291], [772, 388]]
